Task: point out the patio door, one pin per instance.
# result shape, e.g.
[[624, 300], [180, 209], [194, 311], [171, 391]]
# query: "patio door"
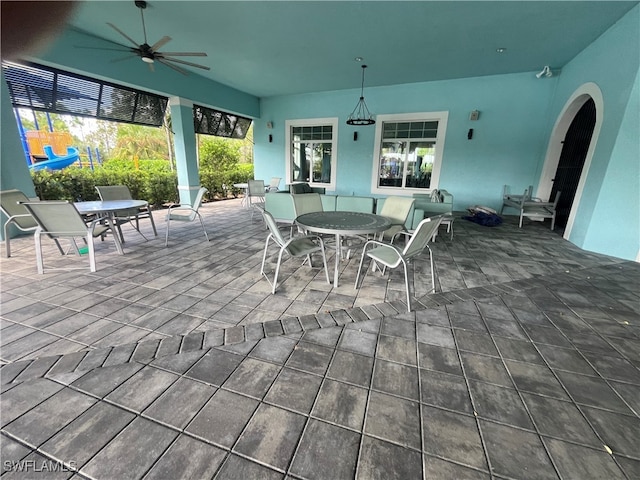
[[574, 152]]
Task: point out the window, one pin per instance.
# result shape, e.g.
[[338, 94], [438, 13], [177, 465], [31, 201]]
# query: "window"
[[408, 151], [312, 152]]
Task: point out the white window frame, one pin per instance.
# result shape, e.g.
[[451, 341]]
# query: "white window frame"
[[313, 122], [441, 118]]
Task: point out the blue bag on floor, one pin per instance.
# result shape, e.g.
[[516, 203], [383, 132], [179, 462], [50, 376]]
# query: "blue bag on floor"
[[486, 219]]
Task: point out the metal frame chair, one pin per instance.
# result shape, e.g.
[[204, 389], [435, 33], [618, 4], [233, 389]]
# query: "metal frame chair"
[[186, 213], [274, 184], [122, 192], [300, 246], [256, 192], [391, 256], [60, 219], [396, 209], [18, 215]]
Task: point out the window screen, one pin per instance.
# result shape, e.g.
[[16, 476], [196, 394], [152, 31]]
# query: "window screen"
[[51, 90], [213, 122]]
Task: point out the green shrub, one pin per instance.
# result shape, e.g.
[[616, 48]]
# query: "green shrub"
[[153, 181]]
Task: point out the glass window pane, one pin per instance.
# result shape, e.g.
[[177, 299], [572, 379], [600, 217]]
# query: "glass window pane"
[[321, 164], [420, 164], [391, 164]]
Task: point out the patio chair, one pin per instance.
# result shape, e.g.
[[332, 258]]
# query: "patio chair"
[[539, 210], [301, 246], [18, 215], [274, 184], [396, 209], [306, 203], [391, 256], [60, 219], [122, 192], [186, 213], [256, 191]]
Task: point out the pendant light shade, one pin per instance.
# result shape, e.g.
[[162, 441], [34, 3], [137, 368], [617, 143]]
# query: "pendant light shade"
[[361, 114]]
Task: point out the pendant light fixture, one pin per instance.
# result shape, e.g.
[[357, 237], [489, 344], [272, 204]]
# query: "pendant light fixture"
[[361, 114]]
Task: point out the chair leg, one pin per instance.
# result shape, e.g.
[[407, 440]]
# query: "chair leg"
[[264, 256], [520, 226], [553, 220], [324, 261], [406, 284], [92, 252], [153, 225], [433, 271], [275, 277], [203, 229], [166, 237], [364, 252], [7, 241], [39, 260]]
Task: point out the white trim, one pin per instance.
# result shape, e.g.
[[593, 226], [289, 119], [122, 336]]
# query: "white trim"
[[183, 102], [188, 188], [566, 116], [312, 122], [441, 117]]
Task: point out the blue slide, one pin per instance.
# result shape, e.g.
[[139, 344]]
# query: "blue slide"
[[56, 162]]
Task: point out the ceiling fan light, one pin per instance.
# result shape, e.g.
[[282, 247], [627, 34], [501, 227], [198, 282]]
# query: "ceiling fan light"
[[146, 59]]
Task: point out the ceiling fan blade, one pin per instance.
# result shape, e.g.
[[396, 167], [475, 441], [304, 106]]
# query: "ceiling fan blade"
[[162, 57], [183, 54], [160, 43], [116, 60], [177, 69], [151, 67], [123, 34], [123, 49]]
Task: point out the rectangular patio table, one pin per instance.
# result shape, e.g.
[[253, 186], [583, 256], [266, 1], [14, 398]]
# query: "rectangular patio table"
[[108, 209], [342, 223]]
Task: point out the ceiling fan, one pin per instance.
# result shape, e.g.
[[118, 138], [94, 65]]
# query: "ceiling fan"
[[150, 54]]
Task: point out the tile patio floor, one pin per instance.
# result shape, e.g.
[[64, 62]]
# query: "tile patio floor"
[[178, 362]]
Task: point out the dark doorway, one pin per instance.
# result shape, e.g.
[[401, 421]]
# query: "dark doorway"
[[574, 152]]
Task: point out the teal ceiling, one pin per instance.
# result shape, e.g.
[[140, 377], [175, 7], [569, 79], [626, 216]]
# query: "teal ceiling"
[[269, 48]]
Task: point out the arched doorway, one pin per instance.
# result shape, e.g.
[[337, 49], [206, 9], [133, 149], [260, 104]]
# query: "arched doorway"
[[574, 152], [566, 169]]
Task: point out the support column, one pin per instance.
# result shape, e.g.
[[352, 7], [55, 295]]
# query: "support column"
[[14, 172], [186, 148]]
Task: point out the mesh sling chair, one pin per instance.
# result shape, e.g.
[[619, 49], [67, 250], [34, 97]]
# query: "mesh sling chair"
[[122, 192], [396, 209], [60, 219], [256, 191], [274, 184], [391, 256], [18, 215], [186, 213], [300, 246]]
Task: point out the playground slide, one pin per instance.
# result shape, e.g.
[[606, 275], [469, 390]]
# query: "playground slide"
[[56, 162]]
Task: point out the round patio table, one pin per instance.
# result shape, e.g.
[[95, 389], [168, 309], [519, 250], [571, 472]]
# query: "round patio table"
[[108, 209], [342, 223], [245, 187]]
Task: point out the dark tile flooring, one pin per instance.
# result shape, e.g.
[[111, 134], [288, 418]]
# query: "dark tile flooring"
[[178, 362]]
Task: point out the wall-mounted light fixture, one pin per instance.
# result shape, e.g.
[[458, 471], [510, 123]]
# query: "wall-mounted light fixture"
[[545, 72]]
